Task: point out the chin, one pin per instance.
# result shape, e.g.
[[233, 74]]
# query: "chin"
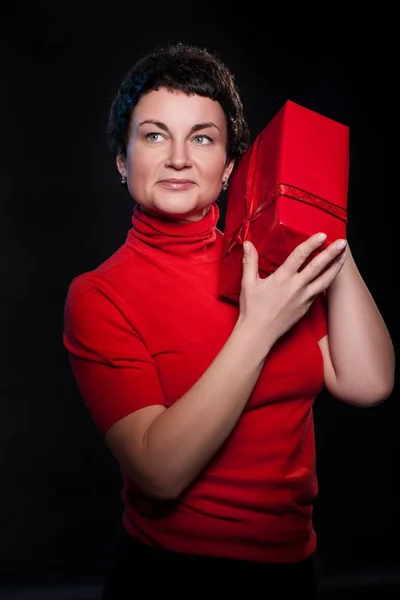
[[185, 207]]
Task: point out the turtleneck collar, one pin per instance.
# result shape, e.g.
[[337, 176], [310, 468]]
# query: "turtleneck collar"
[[173, 240]]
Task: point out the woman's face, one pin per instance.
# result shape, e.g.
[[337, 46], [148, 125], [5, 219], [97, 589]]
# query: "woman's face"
[[176, 154]]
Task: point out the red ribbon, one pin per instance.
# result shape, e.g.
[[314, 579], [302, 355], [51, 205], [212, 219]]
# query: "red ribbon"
[[281, 189]]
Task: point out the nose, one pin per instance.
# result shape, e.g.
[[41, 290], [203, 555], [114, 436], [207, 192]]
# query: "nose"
[[178, 156]]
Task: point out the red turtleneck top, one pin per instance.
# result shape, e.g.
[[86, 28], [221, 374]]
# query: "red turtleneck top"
[[140, 329]]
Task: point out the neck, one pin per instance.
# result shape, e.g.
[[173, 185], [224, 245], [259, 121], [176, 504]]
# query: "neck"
[[168, 238], [192, 218]]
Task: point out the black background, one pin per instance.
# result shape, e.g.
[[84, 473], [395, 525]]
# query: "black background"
[[63, 211]]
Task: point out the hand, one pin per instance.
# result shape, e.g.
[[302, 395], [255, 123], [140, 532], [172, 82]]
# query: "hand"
[[274, 304]]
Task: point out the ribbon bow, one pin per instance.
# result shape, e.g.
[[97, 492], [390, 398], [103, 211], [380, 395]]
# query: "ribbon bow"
[[280, 189]]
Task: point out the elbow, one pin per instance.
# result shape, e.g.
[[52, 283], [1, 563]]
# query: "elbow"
[[368, 396], [163, 493], [388, 391], [154, 486], [370, 401], [381, 394], [381, 391]]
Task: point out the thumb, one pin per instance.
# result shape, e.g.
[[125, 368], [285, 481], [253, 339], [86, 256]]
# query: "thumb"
[[250, 262]]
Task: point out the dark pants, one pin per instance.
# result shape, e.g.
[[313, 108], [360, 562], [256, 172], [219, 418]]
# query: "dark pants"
[[135, 568]]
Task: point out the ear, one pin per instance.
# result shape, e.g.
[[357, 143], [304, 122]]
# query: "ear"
[[121, 164], [228, 170]]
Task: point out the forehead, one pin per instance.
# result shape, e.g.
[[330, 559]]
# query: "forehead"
[[175, 107]]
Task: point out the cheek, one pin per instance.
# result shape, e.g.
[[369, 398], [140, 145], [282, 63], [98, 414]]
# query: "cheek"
[[215, 169], [137, 176], [135, 164], [144, 163], [140, 170]]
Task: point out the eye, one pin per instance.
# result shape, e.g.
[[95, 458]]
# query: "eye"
[[202, 140], [154, 137]]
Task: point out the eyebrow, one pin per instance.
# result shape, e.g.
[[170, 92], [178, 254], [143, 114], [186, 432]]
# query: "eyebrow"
[[197, 127]]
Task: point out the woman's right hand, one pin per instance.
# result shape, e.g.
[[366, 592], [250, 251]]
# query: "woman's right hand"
[[274, 304]]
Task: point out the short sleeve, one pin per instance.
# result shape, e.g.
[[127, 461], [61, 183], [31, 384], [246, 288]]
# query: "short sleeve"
[[319, 321], [113, 369]]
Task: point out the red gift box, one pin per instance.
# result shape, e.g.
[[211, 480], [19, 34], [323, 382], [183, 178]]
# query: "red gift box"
[[291, 183]]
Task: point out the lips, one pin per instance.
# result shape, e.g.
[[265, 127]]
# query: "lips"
[[177, 184]]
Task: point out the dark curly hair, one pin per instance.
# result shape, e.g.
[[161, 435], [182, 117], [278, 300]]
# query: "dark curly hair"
[[187, 69]]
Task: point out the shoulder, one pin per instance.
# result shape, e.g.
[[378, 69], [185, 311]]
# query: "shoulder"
[[102, 281], [84, 300], [81, 286], [94, 319]]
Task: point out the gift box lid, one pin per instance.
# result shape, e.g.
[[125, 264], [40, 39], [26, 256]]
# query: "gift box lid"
[[303, 148]]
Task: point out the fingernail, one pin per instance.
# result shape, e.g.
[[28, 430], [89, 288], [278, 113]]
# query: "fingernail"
[[321, 237], [341, 244]]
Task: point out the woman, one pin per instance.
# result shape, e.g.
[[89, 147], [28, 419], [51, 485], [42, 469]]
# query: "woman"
[[207, 406]]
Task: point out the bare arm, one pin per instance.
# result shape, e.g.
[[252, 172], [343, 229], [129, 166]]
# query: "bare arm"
[[179, 441], [164, 450], [358, 353]]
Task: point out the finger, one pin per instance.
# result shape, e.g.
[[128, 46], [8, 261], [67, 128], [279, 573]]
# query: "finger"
[[250, 263], [320, 262], [300, 254], [324, 280]]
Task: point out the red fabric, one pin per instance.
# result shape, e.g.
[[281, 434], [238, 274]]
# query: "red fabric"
[[141, 329], [291, 183]]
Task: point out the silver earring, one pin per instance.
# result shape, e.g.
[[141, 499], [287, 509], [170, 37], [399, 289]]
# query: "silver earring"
[[123, 180], [225, 185]]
